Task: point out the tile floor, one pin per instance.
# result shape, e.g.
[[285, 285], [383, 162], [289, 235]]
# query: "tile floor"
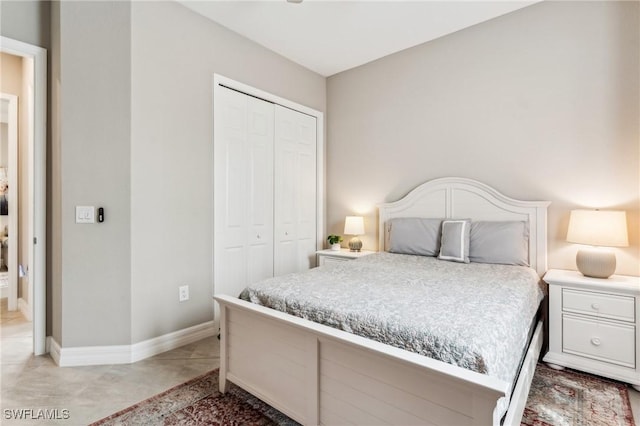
[[88, 393], [91, 393]]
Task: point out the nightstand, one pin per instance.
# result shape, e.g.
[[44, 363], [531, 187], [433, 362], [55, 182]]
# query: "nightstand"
[[329, 256], [594, 324]]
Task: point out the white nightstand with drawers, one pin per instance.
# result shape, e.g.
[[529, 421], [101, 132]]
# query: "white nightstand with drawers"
[[594, 324], [329, 256]]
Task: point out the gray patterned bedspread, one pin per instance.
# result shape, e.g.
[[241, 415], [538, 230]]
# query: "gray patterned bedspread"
[[476, 316]]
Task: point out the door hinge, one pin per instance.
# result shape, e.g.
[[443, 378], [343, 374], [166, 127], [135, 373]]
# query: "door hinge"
[[35, 240]]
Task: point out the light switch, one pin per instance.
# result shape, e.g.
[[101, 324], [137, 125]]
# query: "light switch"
[[85, 214]]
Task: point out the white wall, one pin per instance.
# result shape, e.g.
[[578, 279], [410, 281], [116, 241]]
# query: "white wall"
[[4, 146], [542, 104], [175, 53]]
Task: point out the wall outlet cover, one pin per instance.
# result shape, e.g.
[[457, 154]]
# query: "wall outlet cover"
[[183, 293]]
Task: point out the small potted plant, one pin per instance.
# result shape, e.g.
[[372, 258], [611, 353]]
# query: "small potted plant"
[[334, 241]]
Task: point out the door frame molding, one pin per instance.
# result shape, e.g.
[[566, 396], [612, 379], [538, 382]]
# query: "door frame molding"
[[37, 187], [220, 80]]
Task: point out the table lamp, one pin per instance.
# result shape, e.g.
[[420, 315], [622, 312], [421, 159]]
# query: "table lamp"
[[354, 225], [597, 228]]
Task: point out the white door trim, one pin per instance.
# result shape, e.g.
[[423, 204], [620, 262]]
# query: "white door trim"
[[37, 190]]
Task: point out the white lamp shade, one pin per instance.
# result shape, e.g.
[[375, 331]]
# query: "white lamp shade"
[[354, 225], [598, 228]]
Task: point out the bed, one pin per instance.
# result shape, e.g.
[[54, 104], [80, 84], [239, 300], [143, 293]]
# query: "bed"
[[321, 374]]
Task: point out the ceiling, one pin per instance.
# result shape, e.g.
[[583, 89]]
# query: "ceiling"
[[332, 36]]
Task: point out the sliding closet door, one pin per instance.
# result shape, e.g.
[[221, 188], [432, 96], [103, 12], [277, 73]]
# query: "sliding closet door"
[[243, 191], [295, 191]]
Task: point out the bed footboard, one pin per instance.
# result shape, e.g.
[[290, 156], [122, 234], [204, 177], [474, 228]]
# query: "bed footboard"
[[319, 375]]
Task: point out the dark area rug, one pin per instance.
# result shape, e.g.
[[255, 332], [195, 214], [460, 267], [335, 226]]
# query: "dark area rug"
[[557, 398]]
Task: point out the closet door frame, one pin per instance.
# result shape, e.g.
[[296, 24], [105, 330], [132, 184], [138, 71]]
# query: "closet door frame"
[[220, 80]]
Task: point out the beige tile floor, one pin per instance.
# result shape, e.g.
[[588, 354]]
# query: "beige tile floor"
[[88, 393], [91, 393]]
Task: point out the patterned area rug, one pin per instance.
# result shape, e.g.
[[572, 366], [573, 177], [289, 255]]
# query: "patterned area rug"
[[198, 402], [557, 398]]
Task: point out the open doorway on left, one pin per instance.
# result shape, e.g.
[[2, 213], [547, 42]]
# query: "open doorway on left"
[[16, 136]]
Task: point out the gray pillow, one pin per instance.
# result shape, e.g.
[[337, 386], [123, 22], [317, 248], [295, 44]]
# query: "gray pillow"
[[413, 235], [505, 242], [454, 244]]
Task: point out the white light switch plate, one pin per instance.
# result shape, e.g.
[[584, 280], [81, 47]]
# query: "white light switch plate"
[[85, 214]]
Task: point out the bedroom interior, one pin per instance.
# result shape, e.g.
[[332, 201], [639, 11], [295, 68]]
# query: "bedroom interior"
[[540, 103]]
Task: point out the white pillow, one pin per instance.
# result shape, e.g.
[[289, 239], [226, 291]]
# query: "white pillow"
[[454, 245]]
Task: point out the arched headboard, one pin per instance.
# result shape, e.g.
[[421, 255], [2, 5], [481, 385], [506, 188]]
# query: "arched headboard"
[[456, 197]]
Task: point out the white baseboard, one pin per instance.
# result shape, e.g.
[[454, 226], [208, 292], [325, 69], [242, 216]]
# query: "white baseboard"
[[126, 354], [167, 342], [53, 349], [25, 308]]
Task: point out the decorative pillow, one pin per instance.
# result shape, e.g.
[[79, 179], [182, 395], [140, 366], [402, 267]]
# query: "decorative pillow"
[[413, 235], [505, 242], [454, 244]]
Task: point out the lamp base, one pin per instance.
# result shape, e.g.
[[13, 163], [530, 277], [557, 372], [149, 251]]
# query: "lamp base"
[[355, 244], [596, 263]]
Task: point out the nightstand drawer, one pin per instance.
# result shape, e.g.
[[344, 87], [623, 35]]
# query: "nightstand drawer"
[[603, 305], [604, 341], [328, 260]]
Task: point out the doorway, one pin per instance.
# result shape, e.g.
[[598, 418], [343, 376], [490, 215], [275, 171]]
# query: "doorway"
[[28, 242], [9, 124]]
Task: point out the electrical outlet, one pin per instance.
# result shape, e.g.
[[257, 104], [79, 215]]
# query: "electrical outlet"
[[183, 293]]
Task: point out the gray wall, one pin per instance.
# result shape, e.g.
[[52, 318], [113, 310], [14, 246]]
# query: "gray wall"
[[25, 20], [131, 130], [95, 126], [172, 153], [133, 133], [542, 103], [54, 175]]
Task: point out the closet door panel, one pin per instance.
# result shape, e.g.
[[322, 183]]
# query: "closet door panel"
[[265, 184], [243, 191], [307, 201], [229, 218], [260, 191], [307, 197], [285, 257], [295, 191]]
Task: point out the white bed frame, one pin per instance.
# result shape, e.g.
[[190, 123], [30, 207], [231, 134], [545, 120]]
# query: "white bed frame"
[[316, 374]]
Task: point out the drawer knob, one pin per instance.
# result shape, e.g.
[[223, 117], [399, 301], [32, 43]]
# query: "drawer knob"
[[258, 236], [595, 341], [595, 306]]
